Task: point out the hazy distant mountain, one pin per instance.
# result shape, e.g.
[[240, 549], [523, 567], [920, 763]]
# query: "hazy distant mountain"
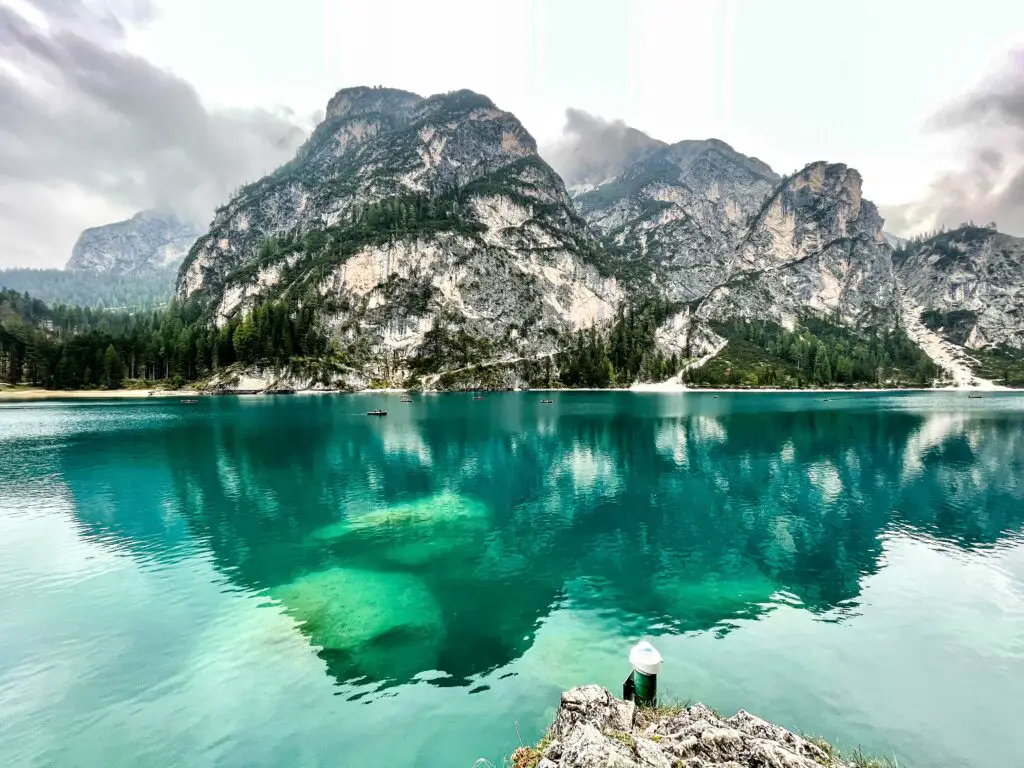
[[149, 241]]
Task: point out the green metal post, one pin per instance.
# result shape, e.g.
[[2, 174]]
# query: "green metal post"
[[646, 663]]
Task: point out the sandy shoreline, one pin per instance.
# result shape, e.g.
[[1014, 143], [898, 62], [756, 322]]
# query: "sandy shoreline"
[[94, 394], [35, 394]]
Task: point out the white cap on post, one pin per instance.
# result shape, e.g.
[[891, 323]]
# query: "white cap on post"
[[645, 658]]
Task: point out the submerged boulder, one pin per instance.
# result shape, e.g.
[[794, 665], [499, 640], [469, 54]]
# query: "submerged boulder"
[[370, 624]]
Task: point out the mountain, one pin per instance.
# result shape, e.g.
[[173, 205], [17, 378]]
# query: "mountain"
[[677, 215], [127, 264], [723, 233], [424, 240], [417, 234], [147, 242], [970, 283], [815, 245]]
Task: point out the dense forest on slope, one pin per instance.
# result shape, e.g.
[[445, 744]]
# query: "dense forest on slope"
[[71, 348], [815, 353], [759, 354], [89, 289]]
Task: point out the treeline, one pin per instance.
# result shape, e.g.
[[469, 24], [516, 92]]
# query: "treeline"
[[815, 353], [272, 334], [625, 354], [87, 289], [74, 348]]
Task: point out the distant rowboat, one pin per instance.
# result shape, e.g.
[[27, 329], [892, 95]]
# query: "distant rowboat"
[[546, 402], [377, 412]]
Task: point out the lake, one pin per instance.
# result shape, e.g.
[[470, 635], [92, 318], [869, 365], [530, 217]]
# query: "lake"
[[284, 581]]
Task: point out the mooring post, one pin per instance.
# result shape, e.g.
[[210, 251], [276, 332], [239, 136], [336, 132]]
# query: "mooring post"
[[646, 663]]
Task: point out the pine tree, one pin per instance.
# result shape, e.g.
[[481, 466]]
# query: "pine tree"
[[112, 373], [822, 369]]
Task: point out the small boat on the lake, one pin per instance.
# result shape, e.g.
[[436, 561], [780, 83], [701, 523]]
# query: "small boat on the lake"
[[546, 402], [377, 412], [478, 397], [974, 397], [406, 399], [189, 402]]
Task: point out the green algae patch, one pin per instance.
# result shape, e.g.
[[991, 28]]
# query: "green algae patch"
[[368, 623]]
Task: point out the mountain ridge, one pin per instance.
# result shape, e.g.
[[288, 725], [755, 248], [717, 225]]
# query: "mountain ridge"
[[405, 222]]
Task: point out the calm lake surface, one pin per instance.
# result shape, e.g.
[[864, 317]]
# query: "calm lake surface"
[[287, 582]]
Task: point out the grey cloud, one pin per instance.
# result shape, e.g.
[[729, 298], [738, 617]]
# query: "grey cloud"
[[84, 113], [989, 184], [592, 149]]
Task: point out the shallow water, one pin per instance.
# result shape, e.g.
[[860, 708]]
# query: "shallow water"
[[286, 582]]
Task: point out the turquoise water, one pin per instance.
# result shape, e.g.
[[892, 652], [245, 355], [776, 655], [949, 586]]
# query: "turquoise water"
[[287, 582]]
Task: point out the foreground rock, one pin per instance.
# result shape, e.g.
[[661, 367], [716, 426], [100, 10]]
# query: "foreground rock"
[[594, 729]]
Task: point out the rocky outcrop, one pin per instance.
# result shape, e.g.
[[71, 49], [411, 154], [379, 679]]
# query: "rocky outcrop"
[[593, 729], [300, 378], [815, 245], [722, 232], [147, 242], [678, 215], [968, 285]]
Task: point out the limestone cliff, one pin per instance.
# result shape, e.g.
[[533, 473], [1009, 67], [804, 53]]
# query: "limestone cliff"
[[814, 245], [412, 225], [968, 284], [723, 233]]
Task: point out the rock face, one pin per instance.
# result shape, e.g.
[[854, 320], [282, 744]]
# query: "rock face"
[[147, 242], [814, 245], [592, 728], [679, 214], [402, 215], [424, 235], [968, 285], [723, 232]]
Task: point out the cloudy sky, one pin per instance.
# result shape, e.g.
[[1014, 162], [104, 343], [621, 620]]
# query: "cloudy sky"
[[111, 106]]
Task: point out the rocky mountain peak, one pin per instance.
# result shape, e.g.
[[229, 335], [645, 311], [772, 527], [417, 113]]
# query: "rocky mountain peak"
[[397, 230], [363, 100], [823, 201], [150, 240], [718, 154]]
